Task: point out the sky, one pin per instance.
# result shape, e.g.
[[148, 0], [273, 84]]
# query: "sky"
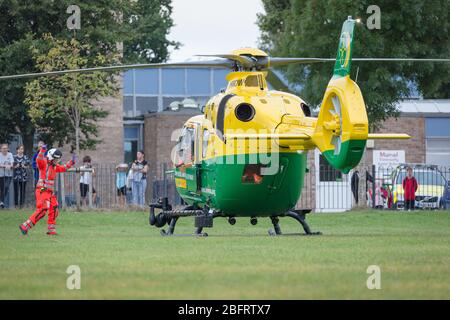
[[213, 26]]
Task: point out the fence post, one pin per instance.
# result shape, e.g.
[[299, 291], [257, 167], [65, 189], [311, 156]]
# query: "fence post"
[[373, 185], [164, 180], [62, 191], [90, 195]]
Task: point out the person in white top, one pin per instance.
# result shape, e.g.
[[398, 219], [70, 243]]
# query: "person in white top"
[[86, 181], [139, 169], [6, 172]]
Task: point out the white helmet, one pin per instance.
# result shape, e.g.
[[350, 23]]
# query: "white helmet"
[[54, 154]]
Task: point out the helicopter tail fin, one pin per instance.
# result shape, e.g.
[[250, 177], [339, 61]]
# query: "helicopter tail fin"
[[342, 126], [344, 54]]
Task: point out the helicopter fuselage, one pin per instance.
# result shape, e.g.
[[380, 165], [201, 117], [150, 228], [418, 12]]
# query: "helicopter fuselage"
[[260, 177]]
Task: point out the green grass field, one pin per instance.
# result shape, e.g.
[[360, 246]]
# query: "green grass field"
[[120, 256]]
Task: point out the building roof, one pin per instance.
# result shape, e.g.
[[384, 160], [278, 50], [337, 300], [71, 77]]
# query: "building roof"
[[428, 108]]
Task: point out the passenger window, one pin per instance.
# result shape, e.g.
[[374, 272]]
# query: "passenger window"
[[251, 81]]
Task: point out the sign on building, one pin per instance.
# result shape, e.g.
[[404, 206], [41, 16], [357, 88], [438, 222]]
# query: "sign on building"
[[388, 158]]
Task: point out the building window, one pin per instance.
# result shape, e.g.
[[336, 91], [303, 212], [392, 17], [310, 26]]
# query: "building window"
[[173, 81], [146, 81], [146, 105], [327, 172], [130, 149], [219, 80], [132, 141], [128, 106], [198, 82], [128, 82]]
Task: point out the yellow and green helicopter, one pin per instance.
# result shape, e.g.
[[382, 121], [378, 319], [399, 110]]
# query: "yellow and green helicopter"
[[246, 155]]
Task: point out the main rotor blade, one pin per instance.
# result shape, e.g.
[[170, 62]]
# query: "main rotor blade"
[[276, 62], [189, 64], [246, 62], [402, 59]]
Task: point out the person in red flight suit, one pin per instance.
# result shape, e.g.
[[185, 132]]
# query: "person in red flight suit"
[[46, 201], [410, 187]]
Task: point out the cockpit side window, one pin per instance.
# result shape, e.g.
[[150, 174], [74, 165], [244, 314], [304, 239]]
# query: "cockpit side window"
[[205, 142], [185, 147]]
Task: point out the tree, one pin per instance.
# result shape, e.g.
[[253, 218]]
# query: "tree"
[[142, 26], [13, 111], [64, 106], [417, 29]]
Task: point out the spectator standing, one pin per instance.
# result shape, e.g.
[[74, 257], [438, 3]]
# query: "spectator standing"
[[355, 186], [121, 183], [6, 172], [20, 176], [34, 162], [139, 186], [410, 187], [86, 174]]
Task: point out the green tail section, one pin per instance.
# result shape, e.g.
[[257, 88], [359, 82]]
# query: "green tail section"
[[342, 125], [349, 156], [344, 54]]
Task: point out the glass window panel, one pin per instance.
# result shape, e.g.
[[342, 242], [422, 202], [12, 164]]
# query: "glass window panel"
[[219, 80], [128, 82], [131, 132], [168, 100], [146, 105], [251, 81], [201, 101], [327, 172], [146, 81], [437, 127], [130, 150], [198, 81], [173, 81], [128, 106]]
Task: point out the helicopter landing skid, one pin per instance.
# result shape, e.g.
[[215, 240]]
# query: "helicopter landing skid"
[[300, 217], [170, 232]]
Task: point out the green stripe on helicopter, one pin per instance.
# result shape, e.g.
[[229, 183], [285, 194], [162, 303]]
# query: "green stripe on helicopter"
[[222, 186]]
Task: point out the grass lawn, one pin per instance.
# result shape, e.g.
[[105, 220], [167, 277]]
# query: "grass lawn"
[[121, 257]]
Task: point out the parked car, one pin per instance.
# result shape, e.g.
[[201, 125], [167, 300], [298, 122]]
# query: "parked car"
[[432, 186]]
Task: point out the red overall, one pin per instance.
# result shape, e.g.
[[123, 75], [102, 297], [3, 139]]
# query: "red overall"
[[45, 198]]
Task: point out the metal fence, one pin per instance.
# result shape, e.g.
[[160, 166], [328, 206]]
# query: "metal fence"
[[101, 193], [325, 189], [328, 190]]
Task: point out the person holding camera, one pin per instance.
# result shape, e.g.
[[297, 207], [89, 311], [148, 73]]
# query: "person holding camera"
[[140, 169], [87, 172], [20, 176]]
